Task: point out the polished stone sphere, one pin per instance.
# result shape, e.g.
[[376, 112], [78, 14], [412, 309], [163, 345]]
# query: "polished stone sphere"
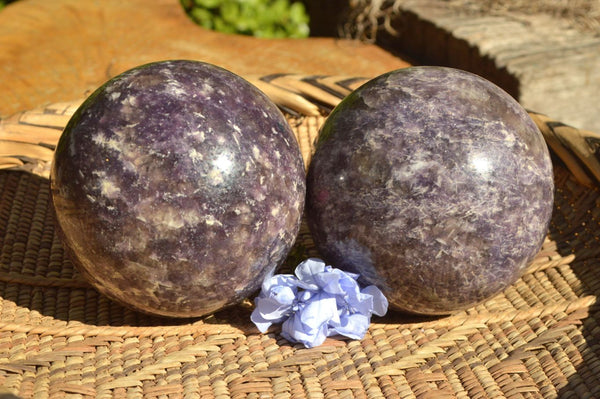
[[432, 183], [178, 186]]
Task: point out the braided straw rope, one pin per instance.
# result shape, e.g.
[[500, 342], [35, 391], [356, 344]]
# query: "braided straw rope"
[[59, 337]]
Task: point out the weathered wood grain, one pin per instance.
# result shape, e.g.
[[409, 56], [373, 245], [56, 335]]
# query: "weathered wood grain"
[[544, 62]]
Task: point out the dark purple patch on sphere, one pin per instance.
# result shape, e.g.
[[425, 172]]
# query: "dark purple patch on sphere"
[[432, 183], [177, 187]]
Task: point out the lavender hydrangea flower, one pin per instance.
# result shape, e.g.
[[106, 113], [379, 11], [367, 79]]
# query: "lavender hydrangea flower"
[[317, 302]]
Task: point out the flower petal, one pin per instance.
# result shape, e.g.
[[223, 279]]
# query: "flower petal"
[[274, 303], [307, 270], [317, 301], [269, 311], [259, 321], [286, 280], [309, 324], [282, 294], [318, 310], [351, 325], [338, 282], [295, 331], [271, 308], [380, 302], [361, 303]]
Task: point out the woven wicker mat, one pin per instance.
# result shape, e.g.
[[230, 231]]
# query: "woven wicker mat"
[[59, 337]]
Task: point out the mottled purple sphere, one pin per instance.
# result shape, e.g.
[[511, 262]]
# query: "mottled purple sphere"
[[432, 183], [177, 187]]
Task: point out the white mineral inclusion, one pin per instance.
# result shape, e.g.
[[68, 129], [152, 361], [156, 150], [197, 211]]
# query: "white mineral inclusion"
[[109, 189], [176, 88], [195, 156], [481, 164], [223, 163]]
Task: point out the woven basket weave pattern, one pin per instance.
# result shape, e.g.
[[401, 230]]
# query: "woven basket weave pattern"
[[59, 337]]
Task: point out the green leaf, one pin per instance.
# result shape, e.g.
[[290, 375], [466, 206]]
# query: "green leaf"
[[208, 3], [203, 17], [261, 18], [230, 11], [280, 7], [223, 26], [298, 14]]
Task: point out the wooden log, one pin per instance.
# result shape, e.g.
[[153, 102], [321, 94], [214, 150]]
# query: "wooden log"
[[542, 61]]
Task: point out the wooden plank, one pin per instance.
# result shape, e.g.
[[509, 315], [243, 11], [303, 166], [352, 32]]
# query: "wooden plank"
[[62, 49]]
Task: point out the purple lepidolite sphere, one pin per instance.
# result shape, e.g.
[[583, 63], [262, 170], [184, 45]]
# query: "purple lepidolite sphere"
[[177, 187], [433, 184]]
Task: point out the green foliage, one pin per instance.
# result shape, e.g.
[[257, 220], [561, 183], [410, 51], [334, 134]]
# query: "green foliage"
[[260, 18]]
